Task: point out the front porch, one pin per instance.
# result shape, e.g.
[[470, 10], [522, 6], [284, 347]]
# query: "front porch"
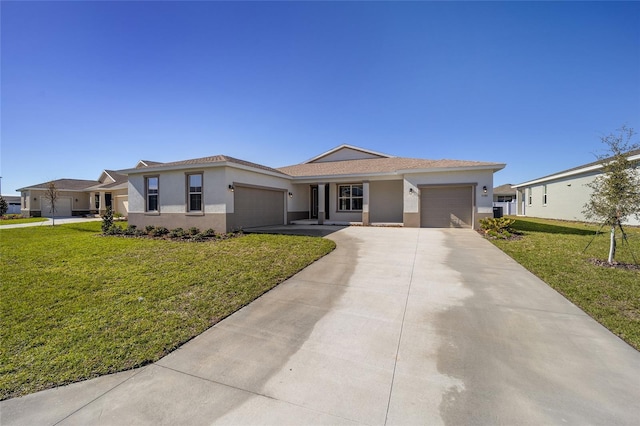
[[343, 223]]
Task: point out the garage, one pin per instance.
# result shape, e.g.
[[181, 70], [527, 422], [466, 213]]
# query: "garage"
[[63, 207], [446, 206], [258, 207]]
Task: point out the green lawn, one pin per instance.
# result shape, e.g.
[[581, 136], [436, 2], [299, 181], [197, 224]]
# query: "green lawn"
[[553, 251], [75, 305], [22, 220]]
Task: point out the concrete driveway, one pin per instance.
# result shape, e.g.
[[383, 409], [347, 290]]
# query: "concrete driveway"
[[396, 326]]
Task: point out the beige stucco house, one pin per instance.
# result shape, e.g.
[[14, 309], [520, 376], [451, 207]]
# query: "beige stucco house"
[[78, 197], [344, 185], [563, 195]]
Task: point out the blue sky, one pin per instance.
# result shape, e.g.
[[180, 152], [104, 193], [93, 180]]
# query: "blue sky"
[[94, 85]]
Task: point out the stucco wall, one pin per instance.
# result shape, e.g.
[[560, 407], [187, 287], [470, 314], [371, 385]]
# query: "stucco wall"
[[566, 198], [483, 202]]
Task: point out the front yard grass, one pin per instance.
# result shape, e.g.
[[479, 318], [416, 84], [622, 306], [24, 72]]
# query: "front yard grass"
[[22, 220], [75, 305], [552, 250]]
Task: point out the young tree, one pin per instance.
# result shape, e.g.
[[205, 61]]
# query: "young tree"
[[616, 192], [3, 206], [51, 195]]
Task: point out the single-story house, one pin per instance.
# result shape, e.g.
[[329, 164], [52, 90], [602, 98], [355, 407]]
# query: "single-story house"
[[563, 195], [78, 197], [504, 196], [344, 185]]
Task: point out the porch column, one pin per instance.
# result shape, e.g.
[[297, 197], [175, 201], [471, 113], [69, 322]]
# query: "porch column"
[[365, 203], [102, 208], [92, 202], [321, 196]]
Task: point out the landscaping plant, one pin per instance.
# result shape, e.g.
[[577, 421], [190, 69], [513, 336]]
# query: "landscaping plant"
[[616, 192]]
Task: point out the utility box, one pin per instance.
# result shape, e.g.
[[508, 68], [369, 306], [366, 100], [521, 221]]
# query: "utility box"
[[497, 212]]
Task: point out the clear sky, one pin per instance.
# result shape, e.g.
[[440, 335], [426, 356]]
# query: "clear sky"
[[88, 86]]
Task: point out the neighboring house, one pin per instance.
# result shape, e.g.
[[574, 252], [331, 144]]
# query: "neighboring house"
[[344, 185], [563, 195], [13, 204], [78, 197], [505, 196]]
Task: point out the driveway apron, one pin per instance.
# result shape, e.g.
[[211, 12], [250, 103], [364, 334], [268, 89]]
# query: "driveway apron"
[[396, 326]]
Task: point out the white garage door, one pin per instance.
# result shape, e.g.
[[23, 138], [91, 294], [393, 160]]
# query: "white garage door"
[[446, 207], [258, 207], [63, 207]]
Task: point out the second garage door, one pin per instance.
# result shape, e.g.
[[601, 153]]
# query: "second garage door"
[[258, 207], [446, 207]]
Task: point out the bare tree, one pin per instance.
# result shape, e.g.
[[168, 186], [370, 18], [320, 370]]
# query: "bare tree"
[[51, 194], [616, 192]]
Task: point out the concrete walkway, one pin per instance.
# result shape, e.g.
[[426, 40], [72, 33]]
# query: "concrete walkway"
[[49, 222], [396, 326]]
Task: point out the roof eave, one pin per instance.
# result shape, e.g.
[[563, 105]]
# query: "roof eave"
[[495, 167], [198, 166]]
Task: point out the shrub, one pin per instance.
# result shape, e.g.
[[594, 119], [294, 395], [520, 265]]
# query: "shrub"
[[149, 229], [3, 206], [107, 221], [500, 227], [198, 237], [209, 233], [193, 230], [159, 231], [130, 230], [177, 233]]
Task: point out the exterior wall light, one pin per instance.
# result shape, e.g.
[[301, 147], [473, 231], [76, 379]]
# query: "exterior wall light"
[[231, 188], [484, 189], [291, 195], [410, 190]]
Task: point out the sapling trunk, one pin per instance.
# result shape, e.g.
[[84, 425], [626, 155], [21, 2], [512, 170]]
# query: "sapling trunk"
[[612, 245]]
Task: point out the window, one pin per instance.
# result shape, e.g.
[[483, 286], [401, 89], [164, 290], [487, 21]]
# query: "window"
[[349, 197], [505, 198], [529, 196], [544, 196], [152, 193], [194, 192]]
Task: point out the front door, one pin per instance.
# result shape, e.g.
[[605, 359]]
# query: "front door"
[[314, 202], [107, 200]]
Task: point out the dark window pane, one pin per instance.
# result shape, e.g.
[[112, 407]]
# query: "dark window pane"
[[356, 204], [152, 204], [345, 191], [195, 202], [356, 191]]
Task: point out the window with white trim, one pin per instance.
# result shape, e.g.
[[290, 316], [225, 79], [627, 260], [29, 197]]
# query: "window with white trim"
[[544, 195], [151, 196], [350, 198], [194, 192]]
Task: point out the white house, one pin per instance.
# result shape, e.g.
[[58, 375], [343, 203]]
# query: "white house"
[[563, 195], [344, 185]]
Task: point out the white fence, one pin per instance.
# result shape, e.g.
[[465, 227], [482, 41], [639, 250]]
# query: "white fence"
[[508, 208]]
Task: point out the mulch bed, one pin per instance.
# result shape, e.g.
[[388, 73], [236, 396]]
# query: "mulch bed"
[[618, 265]]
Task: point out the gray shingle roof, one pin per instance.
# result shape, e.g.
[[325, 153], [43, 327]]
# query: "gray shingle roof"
[[213, 160], [377, 165], [504, 190], [66, 185]]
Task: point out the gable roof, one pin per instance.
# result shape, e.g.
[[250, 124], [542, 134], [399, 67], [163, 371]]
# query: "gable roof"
[[215, 160], [65, 185], [633, 155], [389, 165], [349, 151], [505, 189], [146, 163]]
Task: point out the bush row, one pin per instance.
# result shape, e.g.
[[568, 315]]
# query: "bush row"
[[191, 234]]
